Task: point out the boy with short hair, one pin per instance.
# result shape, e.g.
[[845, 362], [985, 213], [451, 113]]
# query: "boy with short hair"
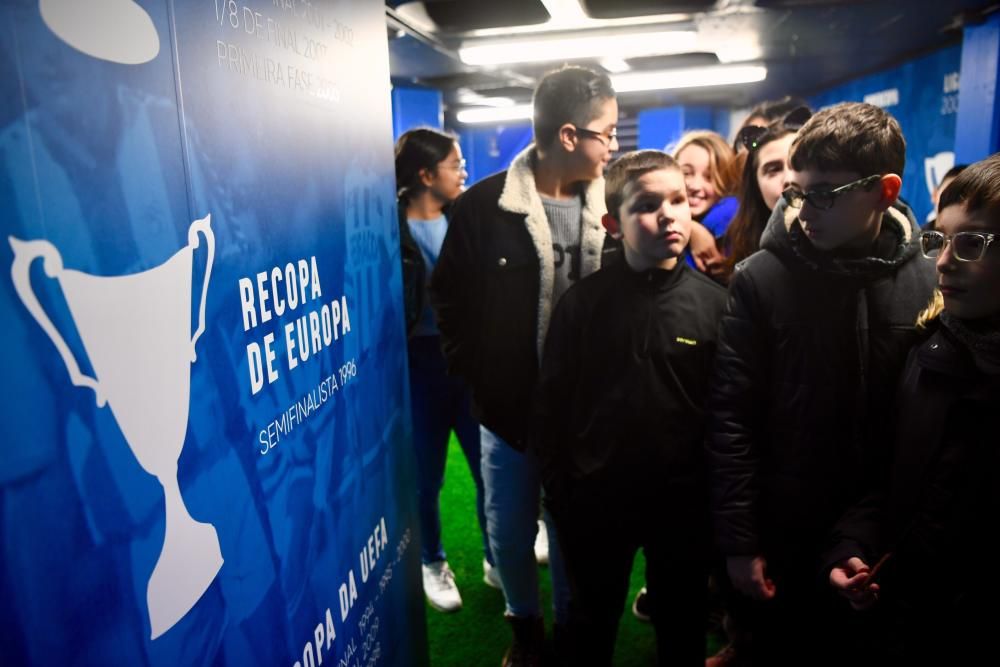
[[814, 336], [517, 241], [621, 427]]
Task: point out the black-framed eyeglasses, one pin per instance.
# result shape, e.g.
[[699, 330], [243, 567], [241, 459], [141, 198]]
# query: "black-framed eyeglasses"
[[604, 137], [965, 246], [751, 135], [825, 199]]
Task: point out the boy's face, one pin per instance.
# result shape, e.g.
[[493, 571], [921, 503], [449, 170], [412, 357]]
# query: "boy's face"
[[971, 290], [655, 220], [854, 220], [595, 142]]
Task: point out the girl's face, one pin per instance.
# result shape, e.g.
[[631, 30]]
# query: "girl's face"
[[447, 180], [772, 165], [971, 290], [696, 164]]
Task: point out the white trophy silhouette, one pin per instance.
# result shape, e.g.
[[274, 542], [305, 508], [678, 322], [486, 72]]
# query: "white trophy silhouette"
[[136, 330]]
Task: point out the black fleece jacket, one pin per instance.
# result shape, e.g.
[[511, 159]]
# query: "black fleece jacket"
[[622, 389]]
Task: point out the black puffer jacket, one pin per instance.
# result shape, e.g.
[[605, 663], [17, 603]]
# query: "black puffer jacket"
[[810, 349]]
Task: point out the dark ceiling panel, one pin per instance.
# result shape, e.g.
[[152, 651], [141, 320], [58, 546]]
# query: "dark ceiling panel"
[[674, 61], [613, 9], [462, 15]]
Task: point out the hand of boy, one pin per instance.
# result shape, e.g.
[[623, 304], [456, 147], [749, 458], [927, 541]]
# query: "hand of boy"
[[705, 253], [855, 581], [749, 576]]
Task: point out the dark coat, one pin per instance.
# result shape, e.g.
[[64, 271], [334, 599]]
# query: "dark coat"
[[944, 401], [414, 272], [492, 290], [938, 511], [622, 390], [810, 349]]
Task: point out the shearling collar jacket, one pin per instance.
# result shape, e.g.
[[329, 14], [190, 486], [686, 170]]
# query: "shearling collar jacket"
[[520, 196], [492, 289]]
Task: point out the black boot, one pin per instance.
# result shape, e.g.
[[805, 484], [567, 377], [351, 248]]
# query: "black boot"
[[529, 642]]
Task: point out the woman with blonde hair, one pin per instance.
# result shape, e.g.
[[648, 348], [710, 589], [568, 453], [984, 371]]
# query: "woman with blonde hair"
[[708, 162]]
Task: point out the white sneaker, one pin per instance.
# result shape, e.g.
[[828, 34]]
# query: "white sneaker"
[[440, 588], [542, 544], [491, 576]]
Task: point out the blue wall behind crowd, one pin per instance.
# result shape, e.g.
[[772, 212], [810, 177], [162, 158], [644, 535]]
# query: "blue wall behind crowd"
[[662, 127], [246, 497], [922, 94]]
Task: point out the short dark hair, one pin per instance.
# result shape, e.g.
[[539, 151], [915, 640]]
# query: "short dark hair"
[[954, 171], [567, 95], [978, 187], [852, 136], [627, 169], [418, 149], [772, 110]]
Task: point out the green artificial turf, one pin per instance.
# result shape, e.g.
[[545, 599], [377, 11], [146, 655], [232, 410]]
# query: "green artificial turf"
[[477, 635]]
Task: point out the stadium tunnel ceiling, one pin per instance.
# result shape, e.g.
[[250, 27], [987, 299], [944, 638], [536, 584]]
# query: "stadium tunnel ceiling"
[[806, 45]]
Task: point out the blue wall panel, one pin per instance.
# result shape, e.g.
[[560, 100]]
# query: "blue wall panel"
[[415, 107], [207, 456], [489, 149], [662, 127], [978, 126]]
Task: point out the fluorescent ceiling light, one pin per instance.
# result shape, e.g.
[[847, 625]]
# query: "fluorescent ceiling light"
[[614, 65], [472, 98], [622, 45], [494, 114], [693, 77], [565, 11]]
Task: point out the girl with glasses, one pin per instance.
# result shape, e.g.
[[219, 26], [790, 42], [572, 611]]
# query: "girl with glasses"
[[430, 174], [931, 528]]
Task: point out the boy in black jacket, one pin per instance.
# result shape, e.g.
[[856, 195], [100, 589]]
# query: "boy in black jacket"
[[621, 420], [814, 336]]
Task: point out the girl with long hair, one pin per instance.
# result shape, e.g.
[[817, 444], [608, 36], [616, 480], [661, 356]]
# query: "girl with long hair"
[[430, 174]]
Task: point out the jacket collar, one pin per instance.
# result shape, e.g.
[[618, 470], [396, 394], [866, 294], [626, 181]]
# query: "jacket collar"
[[658, 280], [942, 353], [520, 196], [898, 236]]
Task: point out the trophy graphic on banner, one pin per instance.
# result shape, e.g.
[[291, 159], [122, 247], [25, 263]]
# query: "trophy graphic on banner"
[[136, 330]]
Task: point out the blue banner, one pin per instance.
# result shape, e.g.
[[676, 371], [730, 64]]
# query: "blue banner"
[[208, 456], [922, 95]]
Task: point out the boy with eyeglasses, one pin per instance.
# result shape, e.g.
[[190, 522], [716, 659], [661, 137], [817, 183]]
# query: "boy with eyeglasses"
[[920, 549], [517, 241], [812, 341]]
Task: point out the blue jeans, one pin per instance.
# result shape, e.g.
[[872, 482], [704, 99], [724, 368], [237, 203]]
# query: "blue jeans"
[[513, 497], [440, 403]]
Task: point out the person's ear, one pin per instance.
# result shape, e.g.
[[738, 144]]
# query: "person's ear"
[[567, 137], [890, 185], [426, 177], [611, 225]]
